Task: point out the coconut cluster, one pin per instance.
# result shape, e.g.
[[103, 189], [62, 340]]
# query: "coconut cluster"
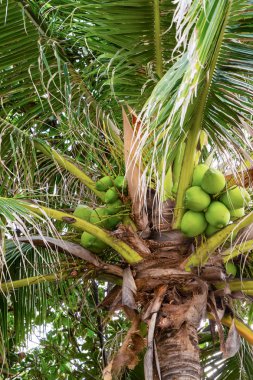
[[107, 216], [210, 205]]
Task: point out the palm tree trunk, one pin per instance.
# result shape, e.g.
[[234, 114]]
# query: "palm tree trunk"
[[178, 353], [176, 335]]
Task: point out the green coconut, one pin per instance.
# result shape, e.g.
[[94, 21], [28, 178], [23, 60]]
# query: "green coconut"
[[235, 198], [99, 217], [120, 183], [196, 199], [231, 269], [83, 212], [193, 223], [113, 221], [111, 195], [217, 214], [237, 213], [198, 174], [115, 207], [213, 181], [92, 243], [104, 183], [211, 230]]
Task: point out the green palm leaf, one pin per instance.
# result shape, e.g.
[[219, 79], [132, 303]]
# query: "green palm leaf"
[[119, 43], [209, 88]]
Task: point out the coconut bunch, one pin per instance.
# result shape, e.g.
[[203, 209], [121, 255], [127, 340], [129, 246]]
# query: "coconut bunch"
[[210, 203], [107, 216]]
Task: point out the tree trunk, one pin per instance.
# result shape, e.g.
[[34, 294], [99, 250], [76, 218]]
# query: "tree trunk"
[[183, 306], [178, 353]]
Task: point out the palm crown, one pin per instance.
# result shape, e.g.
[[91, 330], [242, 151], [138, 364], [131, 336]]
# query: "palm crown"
[[143, 91]]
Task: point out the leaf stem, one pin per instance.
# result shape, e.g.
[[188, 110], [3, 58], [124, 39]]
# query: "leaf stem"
[[193, 134], [237, 250], [122, 248], [242, 329], [69, 166], [241, 285], [205, 250], [158, 44]]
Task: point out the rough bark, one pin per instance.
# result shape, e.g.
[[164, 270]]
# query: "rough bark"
[[178, 353]]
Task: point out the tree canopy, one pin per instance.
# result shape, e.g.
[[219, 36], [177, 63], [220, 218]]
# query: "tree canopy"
[[139, 91]]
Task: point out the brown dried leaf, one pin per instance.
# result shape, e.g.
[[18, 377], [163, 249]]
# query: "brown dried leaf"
[[135, 120], [63, 245], [233, 342], [128, 289], [216, 314], [158, 369], [192, 311], [133, 344], [156, 302], [133, 175], [107, 371], [152, 310], [149, 356], [243, 178], [113, 299]]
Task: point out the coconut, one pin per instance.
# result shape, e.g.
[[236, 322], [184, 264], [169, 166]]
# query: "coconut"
[[83, 212], [235, 198], [217, 215], [237, 213], [211, 230], [104, 183], [193, 223], [213, 181], [115, 207], [198, 174], [113, 221], [92, 243], [231, 269], [111, 195], [99, 217], [196, 199], [120, 183]]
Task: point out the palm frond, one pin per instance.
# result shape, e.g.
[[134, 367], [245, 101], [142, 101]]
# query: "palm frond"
[[122, 45], [42, 94], [209, 87], [28, 303], [234, 368]]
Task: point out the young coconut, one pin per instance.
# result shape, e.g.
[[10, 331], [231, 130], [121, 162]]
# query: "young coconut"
[[92, 243], [217, 215], [235, 198], [213, 181], [211, 230], [231, 269], [120, 183], [198, 174], [115, 207], [113, 221], [196, 199], [237, 213], [193, 223], [104, 183], [99, 217], [111, 195], [83, 212]]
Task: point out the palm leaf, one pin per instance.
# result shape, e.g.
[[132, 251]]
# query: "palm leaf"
[[214, 96], [121, 43]]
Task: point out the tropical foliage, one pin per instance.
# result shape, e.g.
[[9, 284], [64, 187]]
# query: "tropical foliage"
[[143, 90]]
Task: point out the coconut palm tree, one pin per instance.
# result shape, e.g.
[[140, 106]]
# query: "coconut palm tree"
[[137, 94]]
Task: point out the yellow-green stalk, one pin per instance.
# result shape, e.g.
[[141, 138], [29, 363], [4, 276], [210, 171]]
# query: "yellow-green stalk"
[[122, 248], [194, 135]]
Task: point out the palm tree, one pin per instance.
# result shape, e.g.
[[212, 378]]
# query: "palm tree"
[[143, 90]]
